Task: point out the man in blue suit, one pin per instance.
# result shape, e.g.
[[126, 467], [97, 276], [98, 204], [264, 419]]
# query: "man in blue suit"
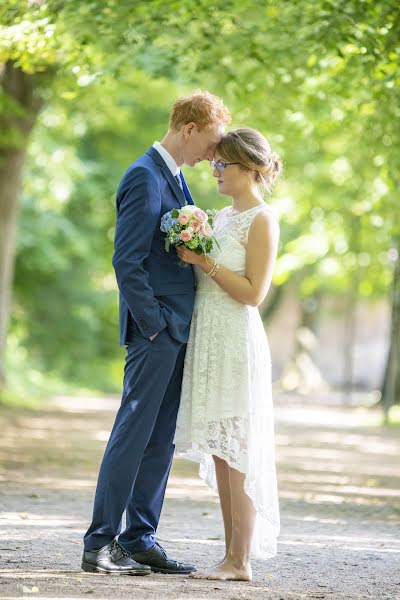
[[156, 304]]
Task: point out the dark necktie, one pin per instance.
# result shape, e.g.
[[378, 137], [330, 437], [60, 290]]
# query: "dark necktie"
[[182, 184], [179, 181]]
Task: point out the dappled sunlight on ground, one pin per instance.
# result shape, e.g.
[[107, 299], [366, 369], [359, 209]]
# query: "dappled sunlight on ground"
[[339, 488]]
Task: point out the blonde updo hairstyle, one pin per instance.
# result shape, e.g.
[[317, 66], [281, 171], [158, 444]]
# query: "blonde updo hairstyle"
[[251, 150]]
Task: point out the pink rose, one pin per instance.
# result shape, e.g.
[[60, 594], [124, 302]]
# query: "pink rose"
[[206, 229], [183, 219], [200, 215], [196, 226], [185, 235]]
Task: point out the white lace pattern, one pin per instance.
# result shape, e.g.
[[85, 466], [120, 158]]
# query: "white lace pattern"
[[226, 403]]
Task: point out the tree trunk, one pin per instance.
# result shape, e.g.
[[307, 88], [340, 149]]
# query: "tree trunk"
[[391, 382], [350, 315], [21, 104], [302, 373]]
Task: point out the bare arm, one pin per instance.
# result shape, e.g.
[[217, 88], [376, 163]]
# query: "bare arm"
[[261, 253]]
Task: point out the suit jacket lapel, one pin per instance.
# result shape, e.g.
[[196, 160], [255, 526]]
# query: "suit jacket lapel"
[[178, 192]]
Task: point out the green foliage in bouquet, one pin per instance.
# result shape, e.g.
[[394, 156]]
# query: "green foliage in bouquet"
[[191, 227]]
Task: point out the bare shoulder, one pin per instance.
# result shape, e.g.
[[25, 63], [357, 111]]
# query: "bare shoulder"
[[265, 224]]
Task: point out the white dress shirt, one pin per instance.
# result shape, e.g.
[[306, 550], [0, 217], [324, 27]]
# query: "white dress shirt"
[[169, 161]]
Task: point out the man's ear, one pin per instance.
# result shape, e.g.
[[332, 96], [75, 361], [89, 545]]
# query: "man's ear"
[[188, 129]]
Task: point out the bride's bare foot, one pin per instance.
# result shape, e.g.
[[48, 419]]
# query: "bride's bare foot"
[[225, 571], [200, 574]]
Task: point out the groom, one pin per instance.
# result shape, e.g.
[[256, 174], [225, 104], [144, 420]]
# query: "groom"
[[156, 304]]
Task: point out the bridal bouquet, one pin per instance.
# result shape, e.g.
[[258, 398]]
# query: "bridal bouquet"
[[190, 226]]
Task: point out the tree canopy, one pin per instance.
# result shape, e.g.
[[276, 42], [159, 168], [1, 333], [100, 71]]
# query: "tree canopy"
[[320, 79]]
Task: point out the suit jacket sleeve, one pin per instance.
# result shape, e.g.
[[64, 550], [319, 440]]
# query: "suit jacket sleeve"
[[138, 212]]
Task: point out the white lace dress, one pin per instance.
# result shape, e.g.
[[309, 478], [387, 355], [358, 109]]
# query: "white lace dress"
[[226, 401]]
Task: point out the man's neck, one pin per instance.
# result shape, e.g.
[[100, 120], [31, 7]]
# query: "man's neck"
[[171, 143]]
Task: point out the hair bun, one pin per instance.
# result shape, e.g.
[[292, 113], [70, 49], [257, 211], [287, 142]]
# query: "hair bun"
[[272, 165], [276, 161]]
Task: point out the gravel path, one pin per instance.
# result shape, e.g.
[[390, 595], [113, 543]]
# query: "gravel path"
[[339, 479]]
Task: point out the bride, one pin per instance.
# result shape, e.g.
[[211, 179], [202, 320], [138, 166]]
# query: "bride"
[[225, 420]]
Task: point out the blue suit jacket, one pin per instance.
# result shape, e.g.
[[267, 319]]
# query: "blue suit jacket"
[[155, 290]]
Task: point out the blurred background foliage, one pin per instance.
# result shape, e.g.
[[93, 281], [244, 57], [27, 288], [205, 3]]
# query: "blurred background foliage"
[[319, 78]]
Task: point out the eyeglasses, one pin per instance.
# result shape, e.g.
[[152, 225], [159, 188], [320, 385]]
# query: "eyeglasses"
[[220, 166]]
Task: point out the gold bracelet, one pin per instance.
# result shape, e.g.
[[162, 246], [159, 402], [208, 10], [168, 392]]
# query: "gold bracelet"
[[213, 265], [214, 269]]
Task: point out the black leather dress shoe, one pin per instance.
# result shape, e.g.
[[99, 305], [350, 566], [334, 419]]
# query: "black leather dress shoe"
[[158, 561], [112, 558]]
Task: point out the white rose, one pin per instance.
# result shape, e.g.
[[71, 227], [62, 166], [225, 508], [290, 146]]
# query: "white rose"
[[188, 209]]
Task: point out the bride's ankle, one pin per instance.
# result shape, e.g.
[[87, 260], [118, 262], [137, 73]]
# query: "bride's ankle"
[[238, 562]]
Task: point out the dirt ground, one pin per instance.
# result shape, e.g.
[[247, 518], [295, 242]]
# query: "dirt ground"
[[339, 477]]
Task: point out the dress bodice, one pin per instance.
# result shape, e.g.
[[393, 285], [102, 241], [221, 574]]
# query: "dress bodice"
[[231, 229]]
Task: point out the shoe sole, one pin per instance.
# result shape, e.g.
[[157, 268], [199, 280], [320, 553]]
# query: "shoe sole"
[[169, 572], [89, 568]]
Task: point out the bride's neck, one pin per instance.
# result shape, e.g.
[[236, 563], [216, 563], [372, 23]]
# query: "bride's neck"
[[246, 200]]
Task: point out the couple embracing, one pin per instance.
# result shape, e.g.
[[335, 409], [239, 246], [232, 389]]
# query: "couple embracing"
[[197, 373]]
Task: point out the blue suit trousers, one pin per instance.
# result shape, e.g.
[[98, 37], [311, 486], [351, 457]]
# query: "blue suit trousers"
[[138, 457]]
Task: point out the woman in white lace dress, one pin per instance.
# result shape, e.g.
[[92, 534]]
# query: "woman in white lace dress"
[[225, 420]]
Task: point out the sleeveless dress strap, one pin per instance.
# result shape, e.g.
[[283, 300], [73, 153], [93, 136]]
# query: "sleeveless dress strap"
[[249, 218]]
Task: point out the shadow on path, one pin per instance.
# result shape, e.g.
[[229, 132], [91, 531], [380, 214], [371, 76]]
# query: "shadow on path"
[[339, 482]]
